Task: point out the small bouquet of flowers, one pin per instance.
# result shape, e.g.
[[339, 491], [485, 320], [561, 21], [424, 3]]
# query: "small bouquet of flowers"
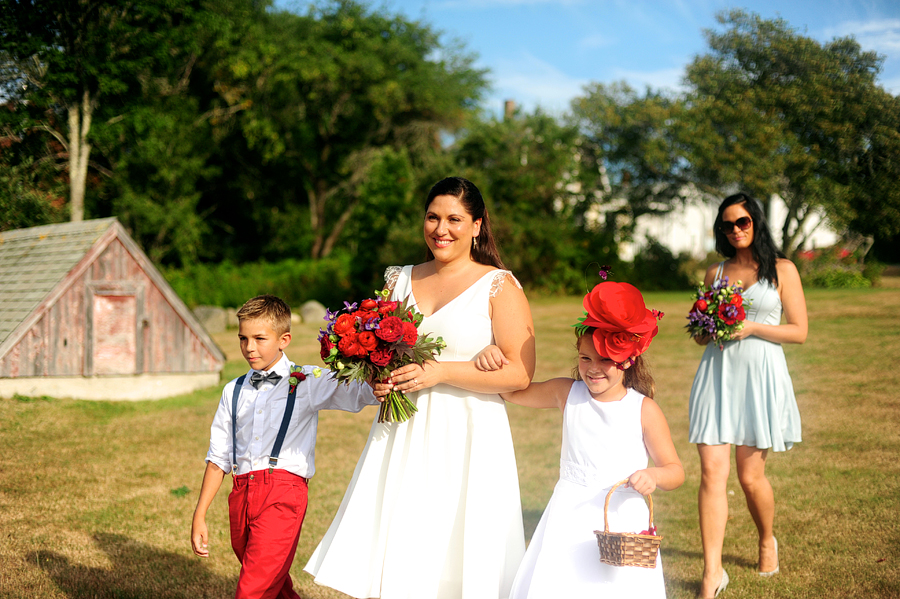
[[370, 339], [718, 311]]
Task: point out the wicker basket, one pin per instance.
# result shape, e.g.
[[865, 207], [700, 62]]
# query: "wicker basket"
[[627, 549]]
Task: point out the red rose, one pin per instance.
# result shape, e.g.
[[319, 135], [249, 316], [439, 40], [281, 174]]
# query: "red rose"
[[381, 357], [368, 304], [731, 314], [700, 305], [386, 307], [326, 345], [624, 326], [390, 329], [618, 346], [737, 300], [350, 346], [410, 334], [345, 324], [368, 340]]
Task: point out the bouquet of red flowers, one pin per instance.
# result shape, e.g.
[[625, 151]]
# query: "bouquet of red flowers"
[[718, 311], [368, 340]]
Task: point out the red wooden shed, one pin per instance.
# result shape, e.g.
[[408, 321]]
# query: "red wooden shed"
[[85, 314]]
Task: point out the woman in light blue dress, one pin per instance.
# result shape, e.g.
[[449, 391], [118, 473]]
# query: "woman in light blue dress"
[[742, 394]]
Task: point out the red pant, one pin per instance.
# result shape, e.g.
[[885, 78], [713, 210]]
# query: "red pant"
[[266, 512]]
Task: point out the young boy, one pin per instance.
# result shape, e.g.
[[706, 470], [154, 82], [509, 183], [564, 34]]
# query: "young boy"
[[269, 447]]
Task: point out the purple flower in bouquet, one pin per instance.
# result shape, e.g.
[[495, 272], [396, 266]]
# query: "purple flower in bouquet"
[[367, 340], [718, 311]]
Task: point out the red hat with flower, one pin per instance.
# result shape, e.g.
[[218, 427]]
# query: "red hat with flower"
[[623, 326]]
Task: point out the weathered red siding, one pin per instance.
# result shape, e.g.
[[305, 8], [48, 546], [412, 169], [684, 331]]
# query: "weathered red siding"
[[137, 326]]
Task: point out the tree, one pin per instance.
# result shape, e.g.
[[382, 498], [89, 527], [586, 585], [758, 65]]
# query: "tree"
[[777, 112], [639, 140], [63, 58], [537, 178], [323, 96]]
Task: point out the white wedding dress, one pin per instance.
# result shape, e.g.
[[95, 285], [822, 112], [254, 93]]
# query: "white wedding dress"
[[433, 508]]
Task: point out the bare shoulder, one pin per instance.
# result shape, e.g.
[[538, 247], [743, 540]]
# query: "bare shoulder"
[[786, 267], [651, 413], [788, 275], [506, 286]]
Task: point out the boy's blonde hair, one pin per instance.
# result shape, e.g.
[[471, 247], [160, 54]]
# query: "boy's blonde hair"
[[269, 308]]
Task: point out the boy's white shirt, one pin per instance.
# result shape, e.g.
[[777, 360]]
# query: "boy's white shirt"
[[259, 415]]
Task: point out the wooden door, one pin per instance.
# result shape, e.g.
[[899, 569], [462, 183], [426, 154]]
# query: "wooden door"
[[115, 334]]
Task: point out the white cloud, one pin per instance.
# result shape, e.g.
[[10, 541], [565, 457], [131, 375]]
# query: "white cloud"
[[661, 79], [532, 82], [882, 35]]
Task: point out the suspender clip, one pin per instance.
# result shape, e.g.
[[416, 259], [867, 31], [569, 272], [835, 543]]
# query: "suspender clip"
[[272, 463]]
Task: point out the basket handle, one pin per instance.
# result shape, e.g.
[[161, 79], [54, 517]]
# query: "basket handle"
[[606, 506]]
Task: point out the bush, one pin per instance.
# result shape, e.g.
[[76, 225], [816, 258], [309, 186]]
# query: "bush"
[[837, 278], [833, 268], [295, 281], [655, 268]]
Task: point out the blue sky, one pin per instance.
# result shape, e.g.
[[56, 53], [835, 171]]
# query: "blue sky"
[[542, 52]]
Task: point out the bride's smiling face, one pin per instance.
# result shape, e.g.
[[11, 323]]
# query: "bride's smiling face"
[[449, 229]]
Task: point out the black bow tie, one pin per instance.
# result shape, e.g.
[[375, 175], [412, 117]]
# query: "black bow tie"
[[258, 378]]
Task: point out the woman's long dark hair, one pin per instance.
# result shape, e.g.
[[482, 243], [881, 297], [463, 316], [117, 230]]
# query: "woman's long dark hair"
[[764, 250], [484, 250]]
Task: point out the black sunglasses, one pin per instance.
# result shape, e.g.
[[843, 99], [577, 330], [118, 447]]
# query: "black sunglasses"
[[742, 223]]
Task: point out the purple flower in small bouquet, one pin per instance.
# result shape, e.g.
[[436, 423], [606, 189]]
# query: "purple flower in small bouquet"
[[718, 311]]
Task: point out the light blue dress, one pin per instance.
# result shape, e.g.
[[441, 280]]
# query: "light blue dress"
[[743, 394]]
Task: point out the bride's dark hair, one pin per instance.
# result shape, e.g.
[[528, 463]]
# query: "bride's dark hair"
[[764, 250], [484, 250]]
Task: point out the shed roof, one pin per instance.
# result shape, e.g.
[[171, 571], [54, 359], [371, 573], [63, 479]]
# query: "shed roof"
[[33, 261]]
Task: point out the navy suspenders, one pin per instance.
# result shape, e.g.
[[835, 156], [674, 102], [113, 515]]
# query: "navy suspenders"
[[282, 430], [234, 399]]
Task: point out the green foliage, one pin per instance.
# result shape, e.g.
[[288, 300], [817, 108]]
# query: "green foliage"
[[534, 172], [655, 268], [834, 268], [640, 143], [68, 64], [318, 99], [839, 278], [296, 281], [180, 492], [27, 199], [386, 208], [773, 111]]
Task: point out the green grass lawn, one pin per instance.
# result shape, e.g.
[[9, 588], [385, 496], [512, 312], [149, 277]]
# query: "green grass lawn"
[[96, 498]]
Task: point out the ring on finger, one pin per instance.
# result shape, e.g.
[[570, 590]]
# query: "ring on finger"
[[415, 382]]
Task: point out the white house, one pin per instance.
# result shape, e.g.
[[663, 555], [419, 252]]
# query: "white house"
[[689, 228]]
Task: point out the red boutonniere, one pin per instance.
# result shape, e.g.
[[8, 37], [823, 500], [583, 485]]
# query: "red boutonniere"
[[296, 376]]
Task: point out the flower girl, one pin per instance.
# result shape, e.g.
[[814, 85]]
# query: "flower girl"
[[610, 426]]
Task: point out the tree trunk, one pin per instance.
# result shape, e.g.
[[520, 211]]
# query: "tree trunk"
[[79, 154]]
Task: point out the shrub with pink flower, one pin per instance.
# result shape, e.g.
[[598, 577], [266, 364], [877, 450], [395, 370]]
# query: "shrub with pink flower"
[[366, 341]]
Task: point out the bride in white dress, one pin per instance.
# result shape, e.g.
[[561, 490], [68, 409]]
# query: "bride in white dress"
[[433, 508]]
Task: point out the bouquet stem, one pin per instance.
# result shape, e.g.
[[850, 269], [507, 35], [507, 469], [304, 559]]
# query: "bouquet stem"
[[396, 407]]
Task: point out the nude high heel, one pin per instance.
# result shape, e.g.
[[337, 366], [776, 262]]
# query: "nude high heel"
[[723, 583], [777, 563]]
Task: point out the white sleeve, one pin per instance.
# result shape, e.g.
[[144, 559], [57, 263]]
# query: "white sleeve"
[[327, 393], [220, 432]]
